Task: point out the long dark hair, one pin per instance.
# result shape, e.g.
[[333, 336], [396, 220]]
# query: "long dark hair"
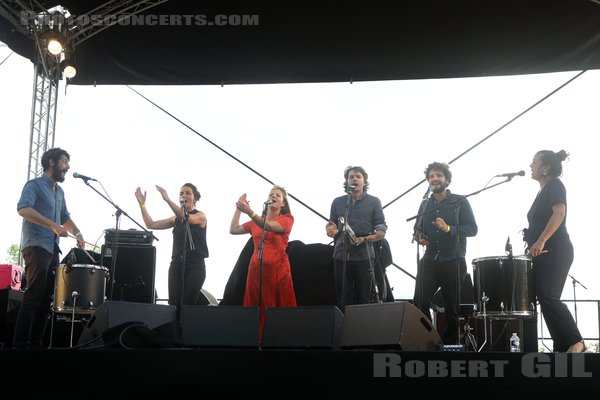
[[286, 205]]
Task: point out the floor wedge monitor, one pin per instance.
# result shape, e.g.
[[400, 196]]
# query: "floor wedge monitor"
[[396, 325], [317, 327], [220, 326]]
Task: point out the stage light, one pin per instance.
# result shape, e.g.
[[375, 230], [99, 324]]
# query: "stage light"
[[67, 66], [55, 47], [69, 71]]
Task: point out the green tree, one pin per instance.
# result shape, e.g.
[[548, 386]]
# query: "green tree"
[[13, 254]]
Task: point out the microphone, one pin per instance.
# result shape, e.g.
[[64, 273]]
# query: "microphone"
[[182, 201], [85, 178], [268, 202], [512, 174], [351, 188], [428, 192]]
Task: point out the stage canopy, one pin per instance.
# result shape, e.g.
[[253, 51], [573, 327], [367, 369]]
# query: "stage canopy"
[[255, 42]]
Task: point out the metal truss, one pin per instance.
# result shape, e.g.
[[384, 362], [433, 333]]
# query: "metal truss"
[[43, 113], [47, 73], [119, 9]]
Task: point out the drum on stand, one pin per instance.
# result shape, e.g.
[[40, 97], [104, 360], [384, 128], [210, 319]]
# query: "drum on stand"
[[504, 287], [80, 288]]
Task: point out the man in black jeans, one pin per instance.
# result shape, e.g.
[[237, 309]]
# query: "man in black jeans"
[[365, 225], [438, 230]]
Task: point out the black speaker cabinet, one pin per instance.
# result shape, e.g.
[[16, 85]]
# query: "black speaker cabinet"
[[397, 325], [318, 327], [133, 273], [220, 326], [112, 313]]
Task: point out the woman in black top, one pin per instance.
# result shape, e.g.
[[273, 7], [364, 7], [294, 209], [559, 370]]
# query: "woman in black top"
[[192, 254], [551, 250]]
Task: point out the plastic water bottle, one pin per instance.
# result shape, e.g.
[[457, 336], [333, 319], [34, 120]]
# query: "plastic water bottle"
[[515, 343]]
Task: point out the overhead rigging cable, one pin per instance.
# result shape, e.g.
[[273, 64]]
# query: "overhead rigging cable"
[[497, 130], [6, 58], [223, 150]]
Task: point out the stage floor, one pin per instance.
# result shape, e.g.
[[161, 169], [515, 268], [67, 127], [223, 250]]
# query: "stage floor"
[[114, 373]]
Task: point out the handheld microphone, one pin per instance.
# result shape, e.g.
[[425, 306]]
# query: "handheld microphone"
[[182, 201], [268, 202], [85, 178], [512, 174]]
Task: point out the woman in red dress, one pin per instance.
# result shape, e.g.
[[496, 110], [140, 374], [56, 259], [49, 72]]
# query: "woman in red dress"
[[276, 288]]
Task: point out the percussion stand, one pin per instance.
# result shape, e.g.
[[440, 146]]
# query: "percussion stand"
[[116, 242], [74, 296]]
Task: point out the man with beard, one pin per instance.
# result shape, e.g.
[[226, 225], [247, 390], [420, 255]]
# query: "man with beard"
[[447, 220], [45, 219]]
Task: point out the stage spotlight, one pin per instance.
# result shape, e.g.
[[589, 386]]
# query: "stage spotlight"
[[68, 68], [55, 47]]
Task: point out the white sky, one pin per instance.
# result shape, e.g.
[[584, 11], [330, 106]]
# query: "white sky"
[[302, 136]]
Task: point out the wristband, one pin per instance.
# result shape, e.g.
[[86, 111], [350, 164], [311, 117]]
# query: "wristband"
[[448, 230], [142, 205], [78, 234], [252, 215]]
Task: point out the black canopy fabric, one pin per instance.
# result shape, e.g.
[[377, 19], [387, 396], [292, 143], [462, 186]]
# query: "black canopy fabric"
[[312, 273], [257, 42]]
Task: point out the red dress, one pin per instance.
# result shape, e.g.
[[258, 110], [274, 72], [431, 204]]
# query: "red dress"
[[277, 285]]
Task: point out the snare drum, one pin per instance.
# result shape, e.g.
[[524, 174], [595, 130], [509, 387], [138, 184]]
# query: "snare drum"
[[503, 286], [79, 286]]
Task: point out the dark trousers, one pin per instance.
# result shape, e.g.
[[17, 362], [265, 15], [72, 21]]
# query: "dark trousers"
[[550, 274], [358, 282], [434, 275], [35, 309], [192, 283]]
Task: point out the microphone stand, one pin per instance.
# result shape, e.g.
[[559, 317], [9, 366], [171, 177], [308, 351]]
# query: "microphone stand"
[[457, 249], [115, 247], [260, 255], [345, 253], [575, 282], [187, 236], [417, 232], [374, 295]]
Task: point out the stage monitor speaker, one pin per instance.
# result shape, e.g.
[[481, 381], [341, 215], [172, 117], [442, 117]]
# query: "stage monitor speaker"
[[220, 326], [303, 327], [133, 275], [397, 325], [113, 313]]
